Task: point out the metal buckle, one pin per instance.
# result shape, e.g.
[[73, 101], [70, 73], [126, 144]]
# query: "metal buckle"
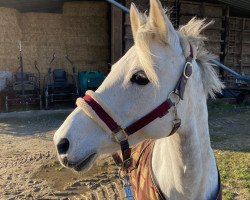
[[176, 122], [120, 135], [184, 71], [175, 100], [126, 163]]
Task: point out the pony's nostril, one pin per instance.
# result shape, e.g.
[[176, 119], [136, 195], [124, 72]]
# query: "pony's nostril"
[[63, 146]]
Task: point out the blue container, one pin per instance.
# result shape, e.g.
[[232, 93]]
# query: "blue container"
[[90, 80]]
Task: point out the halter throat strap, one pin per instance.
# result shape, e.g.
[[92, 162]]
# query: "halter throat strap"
[[120, 134]]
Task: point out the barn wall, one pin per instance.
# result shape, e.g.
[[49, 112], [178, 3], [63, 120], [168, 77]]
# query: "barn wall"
[[187, 10], [82, 32], [228, 37], [43, 34], [238, 48], [212, 12], [10, 33], [87, 34]]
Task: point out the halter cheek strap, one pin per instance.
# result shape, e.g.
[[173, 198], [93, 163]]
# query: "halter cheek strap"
[[187, 72], [119, 133]]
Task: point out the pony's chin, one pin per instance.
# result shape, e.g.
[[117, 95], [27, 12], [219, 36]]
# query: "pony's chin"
[[86, 164], [81, 166]]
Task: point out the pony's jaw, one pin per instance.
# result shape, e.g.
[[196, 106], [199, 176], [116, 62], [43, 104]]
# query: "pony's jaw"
[[86, 141]]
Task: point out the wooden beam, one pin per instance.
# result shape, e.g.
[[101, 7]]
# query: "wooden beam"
[[116, 34], [224, 46], [242, 43]]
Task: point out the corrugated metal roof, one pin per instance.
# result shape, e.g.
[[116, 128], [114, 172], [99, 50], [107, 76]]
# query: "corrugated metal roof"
[[239, 5], [34, 6]]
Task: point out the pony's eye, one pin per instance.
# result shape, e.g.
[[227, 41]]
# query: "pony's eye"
[[140, 78]]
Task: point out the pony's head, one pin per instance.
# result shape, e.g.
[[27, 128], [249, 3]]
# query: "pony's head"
[[139, 82]]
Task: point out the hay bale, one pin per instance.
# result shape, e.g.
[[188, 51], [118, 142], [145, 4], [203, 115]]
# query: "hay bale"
[[10, 35], [9, 17], [85, 24], [214, 47], [201, 9], [76, 33], [43, 34], [86, 9], [247, 23], [87, 52], [87, 33], [82, 32], [95, 39], [213, 35]]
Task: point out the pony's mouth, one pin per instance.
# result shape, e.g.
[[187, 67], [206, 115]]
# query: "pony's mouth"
[[84, 164]]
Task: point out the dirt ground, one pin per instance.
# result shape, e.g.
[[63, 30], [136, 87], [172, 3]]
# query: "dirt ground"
[[29, 168]]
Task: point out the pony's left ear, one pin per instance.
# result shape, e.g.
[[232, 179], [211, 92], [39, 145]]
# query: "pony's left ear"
[[157, 19], [136, 19]]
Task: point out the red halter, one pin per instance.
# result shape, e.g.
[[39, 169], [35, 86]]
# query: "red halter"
[[121, 134]]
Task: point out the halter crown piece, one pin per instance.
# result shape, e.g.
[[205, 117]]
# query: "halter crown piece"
[[93, 107]]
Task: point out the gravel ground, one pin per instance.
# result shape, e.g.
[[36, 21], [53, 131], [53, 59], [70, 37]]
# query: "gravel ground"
[[29, 168]]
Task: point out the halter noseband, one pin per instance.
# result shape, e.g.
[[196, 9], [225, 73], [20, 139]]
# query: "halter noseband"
[[121, 134]]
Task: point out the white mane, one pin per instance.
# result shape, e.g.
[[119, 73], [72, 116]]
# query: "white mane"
[[192, 32]]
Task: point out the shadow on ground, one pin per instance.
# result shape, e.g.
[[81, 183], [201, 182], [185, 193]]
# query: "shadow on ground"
[[31, 122], [229, 127]]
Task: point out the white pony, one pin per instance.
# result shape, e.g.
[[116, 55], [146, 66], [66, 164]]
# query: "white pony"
[[183, 164]]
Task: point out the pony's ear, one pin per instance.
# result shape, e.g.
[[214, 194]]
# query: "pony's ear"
[[157, 19], [135, 19]]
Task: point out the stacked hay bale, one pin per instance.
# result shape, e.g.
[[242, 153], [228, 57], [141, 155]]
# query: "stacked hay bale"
[[238, 46], [86, 34], [10, 35], [184, 12], [209, 11], [81, 32], [43, 35]]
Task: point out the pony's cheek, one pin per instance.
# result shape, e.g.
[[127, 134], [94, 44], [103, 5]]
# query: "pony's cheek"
[[159, 128]]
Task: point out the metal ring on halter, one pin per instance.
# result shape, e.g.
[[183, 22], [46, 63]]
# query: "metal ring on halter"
[[174, 100], [184, 71]]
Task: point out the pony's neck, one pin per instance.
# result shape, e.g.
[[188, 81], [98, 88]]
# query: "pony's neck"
[[183, 164]]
